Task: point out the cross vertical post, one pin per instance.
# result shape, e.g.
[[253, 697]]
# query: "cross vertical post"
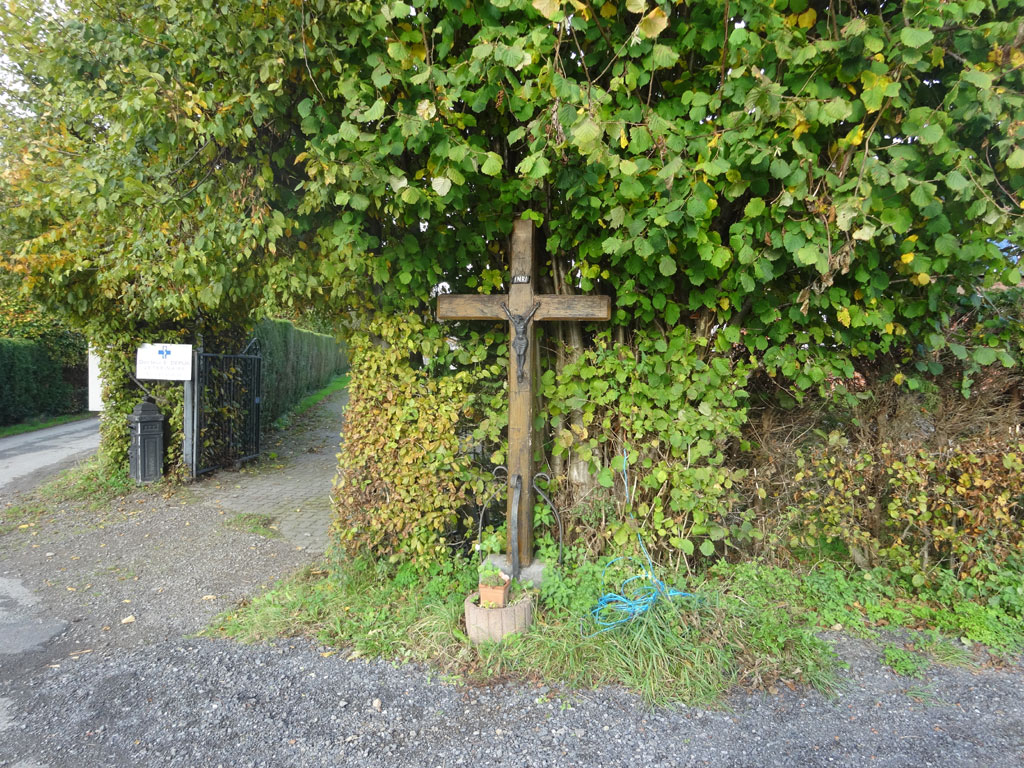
[[521, 392]]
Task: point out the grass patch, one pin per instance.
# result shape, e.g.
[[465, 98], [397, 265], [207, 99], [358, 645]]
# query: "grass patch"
[[750, 625], [42, 423], [684, 650], [253, 522], [334, 385], [93, 484], [904, 660]]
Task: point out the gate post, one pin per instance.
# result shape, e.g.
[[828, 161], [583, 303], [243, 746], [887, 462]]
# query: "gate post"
[[191, 441]]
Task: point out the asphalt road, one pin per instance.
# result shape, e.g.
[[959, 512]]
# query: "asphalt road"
[[28, 459]]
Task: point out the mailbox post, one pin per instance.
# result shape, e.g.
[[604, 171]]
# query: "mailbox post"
[[146, 455]]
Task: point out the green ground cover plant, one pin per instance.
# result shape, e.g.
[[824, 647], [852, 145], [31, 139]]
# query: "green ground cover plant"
[[748, 624], [41, 423], [94, 484], [254, 522], [336, 384]]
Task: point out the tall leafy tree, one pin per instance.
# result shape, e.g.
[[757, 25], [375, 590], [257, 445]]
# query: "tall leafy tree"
[[807, 183]]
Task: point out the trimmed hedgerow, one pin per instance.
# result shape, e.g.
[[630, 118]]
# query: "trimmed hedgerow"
[[294, 362], [31, 382]]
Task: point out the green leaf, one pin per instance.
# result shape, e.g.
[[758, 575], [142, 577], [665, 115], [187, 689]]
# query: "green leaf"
[[586, 132], [404, 278], [621, 535], [663, 57], [305, 107], [912, 37], [754, 208], [376, 112], [707, 548], [982, 80], [1016, 159], [683, 545], [930, 134], [441, 185], [864, 233], [956, 181], [492, 165], [606, 478], [667, 266], [807, 255], [984, 355], [898, 218]]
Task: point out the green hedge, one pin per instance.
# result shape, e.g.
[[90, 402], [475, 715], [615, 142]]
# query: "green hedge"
[[294, 362], [31, 382]]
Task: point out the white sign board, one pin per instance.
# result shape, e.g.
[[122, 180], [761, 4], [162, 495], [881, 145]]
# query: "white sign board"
[[166, 362], [95, 382]]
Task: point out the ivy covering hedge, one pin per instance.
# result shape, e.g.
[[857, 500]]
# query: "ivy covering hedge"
[[31, 382], [294, 362]]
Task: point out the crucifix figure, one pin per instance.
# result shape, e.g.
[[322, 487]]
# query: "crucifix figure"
[[521, 307], [520, 341]]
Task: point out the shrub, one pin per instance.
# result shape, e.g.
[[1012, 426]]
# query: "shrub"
[[662, 417], [916, 511], [31, 382], [294, 362], [402, 474]]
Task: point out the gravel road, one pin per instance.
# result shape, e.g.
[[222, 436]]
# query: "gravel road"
[[124, 682]]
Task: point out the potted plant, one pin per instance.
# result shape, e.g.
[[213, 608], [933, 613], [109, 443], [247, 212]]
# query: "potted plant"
[[494, 585]]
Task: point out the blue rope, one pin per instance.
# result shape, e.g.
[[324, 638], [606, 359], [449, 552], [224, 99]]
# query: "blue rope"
[[632, 600]]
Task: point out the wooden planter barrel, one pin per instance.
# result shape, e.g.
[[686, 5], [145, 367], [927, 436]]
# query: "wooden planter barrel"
[[493, 624]]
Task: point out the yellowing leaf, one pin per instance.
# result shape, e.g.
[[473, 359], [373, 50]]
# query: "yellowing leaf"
[[582, 9], [889, 327], [653, 24], [899, 378], [128, 620], [807, 18], [843, 316], [906, 258], [608, 10], [636, 6], [547, 8], [858, 294], [800, 129], [426, 109], [724, 302], [623, 140], [923, 278]]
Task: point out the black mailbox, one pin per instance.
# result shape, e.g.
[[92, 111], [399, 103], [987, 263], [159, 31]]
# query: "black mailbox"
[[146, 455]]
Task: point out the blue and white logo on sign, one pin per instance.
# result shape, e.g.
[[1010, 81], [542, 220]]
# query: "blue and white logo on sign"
[[164, 362]]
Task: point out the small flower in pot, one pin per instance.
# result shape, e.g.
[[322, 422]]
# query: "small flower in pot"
[[493, 586]]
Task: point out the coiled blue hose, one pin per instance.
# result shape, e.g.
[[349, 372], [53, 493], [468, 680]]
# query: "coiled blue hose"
[[633, 599]]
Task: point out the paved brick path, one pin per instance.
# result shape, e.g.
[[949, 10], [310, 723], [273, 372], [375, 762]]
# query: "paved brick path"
[[292, 480]]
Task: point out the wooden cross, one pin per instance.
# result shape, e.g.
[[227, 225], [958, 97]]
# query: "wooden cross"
[[521, 307]]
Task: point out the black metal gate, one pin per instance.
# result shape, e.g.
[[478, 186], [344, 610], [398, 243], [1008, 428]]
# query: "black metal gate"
[[226, 408]]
